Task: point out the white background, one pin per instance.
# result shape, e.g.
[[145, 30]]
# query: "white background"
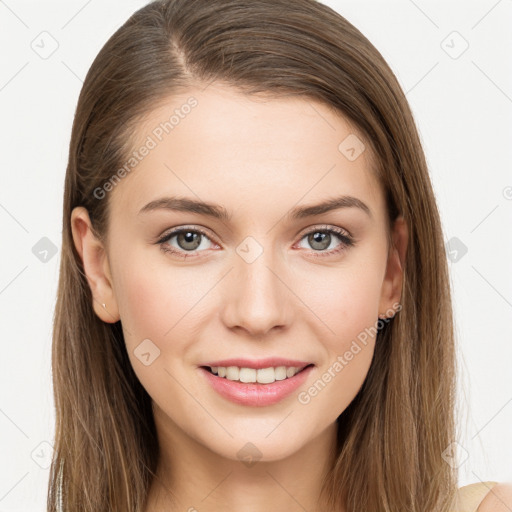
[[463, 108]]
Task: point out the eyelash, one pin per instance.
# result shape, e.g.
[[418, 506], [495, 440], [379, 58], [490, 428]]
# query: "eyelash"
[[347, 241]]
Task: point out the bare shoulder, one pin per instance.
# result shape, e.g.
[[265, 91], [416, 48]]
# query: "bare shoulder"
[[498, 499]]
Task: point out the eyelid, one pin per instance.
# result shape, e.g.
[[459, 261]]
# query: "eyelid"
[[192, 227], [324, 227]]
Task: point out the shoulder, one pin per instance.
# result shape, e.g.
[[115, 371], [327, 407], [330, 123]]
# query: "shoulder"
[[498, 499]]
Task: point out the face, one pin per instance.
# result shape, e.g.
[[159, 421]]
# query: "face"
[[262, 281]]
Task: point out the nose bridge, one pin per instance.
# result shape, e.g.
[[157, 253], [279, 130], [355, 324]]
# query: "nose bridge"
[[257, 299]]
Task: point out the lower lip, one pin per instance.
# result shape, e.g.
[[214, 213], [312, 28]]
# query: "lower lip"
[[255, 394]]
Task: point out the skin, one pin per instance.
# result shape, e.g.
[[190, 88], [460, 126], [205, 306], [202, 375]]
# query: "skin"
[[259, 159], [498, 499]]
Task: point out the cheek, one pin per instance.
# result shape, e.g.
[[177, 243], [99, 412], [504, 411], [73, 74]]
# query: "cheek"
[[348, 345], [158, 304], [346, 300], [346, 322], [154, 301], [167, 304]]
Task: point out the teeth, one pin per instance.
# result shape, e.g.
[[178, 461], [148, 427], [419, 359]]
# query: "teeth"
[[232, 373], [262, 375]]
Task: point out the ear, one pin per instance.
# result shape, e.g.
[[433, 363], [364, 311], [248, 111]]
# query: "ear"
[[392, 284], [96, 266]]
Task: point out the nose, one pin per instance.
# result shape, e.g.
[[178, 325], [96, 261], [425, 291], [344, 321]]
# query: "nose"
[[256, 296]]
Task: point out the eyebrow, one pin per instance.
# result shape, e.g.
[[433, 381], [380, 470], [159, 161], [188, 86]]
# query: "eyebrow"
[[216, 211]]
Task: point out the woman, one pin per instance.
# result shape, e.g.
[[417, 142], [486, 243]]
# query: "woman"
[[254, 308]]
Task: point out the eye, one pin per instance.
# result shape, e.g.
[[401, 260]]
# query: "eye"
[[321, 238], [187, 240]]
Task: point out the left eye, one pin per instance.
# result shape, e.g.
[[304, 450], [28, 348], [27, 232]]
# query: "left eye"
[[320, 240]]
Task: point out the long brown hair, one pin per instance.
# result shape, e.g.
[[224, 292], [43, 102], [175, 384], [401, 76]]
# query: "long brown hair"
[[391, 438]]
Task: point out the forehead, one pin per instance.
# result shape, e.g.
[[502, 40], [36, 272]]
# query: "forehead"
[[245, 151]]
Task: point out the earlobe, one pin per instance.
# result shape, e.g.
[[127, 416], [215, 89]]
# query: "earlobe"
[[392, 285], [96, 266]]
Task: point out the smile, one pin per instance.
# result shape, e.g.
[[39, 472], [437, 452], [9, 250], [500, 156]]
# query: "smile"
[[243, 386], [253, 375]]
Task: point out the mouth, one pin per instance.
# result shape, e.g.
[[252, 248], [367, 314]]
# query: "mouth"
[[256, 376], [246, 388]]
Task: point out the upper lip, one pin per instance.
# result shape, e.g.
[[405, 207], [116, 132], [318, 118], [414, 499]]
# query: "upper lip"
[[260, 363]]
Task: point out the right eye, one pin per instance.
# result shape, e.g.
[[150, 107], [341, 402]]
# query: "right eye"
[[187, 241]]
